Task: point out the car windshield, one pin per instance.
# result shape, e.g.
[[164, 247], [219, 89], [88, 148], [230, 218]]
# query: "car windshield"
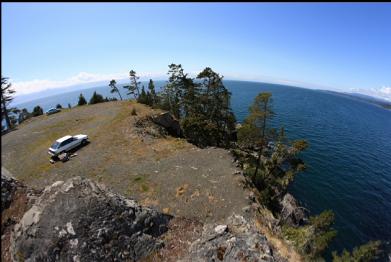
[[55, 145]]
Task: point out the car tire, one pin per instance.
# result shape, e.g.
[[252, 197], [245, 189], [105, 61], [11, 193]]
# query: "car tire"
[[84, 142]]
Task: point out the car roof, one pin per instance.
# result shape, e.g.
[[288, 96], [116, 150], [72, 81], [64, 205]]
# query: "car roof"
[[63, 139]]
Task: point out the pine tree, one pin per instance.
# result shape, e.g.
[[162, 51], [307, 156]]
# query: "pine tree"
[[114, 88], [133, 88], [143, 97], [254, 129], [96, 98], [173, 89], [151, 87], [37, 111], [82, 100], [6, 97]]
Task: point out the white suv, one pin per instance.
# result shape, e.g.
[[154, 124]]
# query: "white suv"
[[67, 143]]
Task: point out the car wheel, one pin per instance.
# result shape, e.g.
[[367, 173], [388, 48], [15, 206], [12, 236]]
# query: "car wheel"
[[84, 142]]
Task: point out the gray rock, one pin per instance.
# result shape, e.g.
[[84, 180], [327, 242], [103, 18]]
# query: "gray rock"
[[80, 220], [220, 229], [291, 213], [169, 123], [241, 242], [8, 187]]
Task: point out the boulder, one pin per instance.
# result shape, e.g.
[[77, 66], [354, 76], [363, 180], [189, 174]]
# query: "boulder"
[[80, 220], [167, 121], [291, 213], [237, 240]]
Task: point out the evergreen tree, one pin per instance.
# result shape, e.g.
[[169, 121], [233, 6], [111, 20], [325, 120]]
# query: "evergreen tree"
[[152, 91], [37, 111], [149, 99], [6, 97], [58, 106], [254, 129], [364, 253], [69, 106], [82, 100], [96, 98], [143, 97], [114, 88], [173, 89], [133, 88], [312, 239], [215, 104]]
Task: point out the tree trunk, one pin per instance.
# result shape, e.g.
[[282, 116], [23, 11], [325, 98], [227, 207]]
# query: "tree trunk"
[[7, 120], [119, 94], [262, 140]]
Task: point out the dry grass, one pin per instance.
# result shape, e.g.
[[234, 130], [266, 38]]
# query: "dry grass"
[[284, 249]]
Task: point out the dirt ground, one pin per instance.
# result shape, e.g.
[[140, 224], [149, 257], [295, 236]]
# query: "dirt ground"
[[167, 173]]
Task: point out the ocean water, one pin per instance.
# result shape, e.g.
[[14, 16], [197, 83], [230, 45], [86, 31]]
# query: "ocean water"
[[348, 161]]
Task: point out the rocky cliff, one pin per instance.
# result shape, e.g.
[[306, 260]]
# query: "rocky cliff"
[[81, 220]]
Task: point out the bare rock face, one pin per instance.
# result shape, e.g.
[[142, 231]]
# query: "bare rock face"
[[167, 121], [237, 240], [8, 188], [291, 213], [16, 199], [80, 220]]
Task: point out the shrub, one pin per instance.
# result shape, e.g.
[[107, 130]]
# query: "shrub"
[[96, 98], [58, 106], [82, 100], [133, 112], [312, 239], [37, 111]]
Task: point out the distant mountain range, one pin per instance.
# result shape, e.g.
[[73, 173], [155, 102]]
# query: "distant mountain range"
[[50, 92], [369, 99]]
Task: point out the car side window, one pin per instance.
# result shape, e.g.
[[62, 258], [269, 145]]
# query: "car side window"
[[66, 142]]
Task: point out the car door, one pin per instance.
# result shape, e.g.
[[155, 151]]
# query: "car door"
[[72, 143], [65, 146]]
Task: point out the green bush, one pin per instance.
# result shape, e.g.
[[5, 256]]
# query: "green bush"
[[37, 111], [82, 100], [312, 239], [96, 98]]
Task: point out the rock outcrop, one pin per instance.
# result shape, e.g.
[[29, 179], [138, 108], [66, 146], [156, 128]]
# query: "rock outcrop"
[[237, 240], [167, 121], [8, 188], [16, 199], [82, 220], [291, 213]]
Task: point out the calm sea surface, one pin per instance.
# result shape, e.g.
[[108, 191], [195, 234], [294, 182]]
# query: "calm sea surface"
[[348, 161]]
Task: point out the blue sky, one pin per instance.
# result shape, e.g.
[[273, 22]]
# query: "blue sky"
[[320, 45]]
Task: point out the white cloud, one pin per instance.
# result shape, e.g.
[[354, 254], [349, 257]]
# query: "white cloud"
[[383, 92], [36, 85], [32, 86]]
